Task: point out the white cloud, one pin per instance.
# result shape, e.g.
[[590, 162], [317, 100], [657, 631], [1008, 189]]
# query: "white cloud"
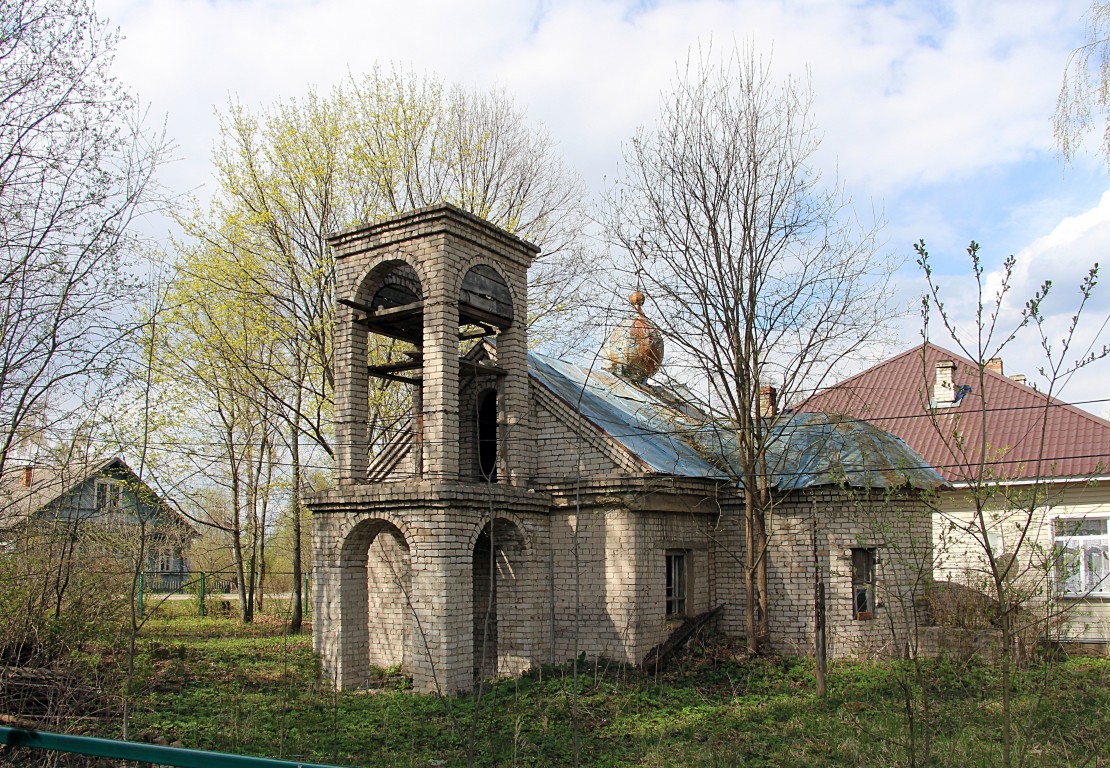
[[942, 108], [906, 93], [1064, 256]]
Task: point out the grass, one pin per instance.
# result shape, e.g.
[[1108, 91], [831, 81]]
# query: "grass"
[[213, 684]]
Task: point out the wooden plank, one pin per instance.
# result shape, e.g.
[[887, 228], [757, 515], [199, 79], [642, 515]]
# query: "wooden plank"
[[394, 377], [399, 312], [469, 314], [482, 367], [389, 332], [484, 290], [356, 305], [479, 334], [397, 367]]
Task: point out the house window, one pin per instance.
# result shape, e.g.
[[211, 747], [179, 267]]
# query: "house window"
[[1083, 556], [676, 583], [863, 583], [108, 495]]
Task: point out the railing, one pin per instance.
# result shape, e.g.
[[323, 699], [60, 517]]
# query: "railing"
[[202, 585], [152, 754]]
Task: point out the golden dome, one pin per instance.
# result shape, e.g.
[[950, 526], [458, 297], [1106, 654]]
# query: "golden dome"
[[635, 347]]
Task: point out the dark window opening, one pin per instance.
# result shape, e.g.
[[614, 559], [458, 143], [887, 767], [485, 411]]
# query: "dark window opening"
[[108, 495], [863, 584], [676, 584], [487, 436]]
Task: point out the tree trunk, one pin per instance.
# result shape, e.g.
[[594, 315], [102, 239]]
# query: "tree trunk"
[[296, 619]]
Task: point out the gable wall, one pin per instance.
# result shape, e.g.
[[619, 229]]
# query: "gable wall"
[[567, 444]]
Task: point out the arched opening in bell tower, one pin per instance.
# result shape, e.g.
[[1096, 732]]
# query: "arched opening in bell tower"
[[487, 436]]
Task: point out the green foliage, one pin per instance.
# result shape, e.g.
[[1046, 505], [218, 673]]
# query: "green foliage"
[[215, 684]]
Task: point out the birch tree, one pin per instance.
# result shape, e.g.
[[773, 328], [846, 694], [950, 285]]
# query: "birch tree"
[[75, 171], [1083, 104]]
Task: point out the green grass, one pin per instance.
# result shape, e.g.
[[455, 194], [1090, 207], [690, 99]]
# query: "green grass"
[[213, 684]]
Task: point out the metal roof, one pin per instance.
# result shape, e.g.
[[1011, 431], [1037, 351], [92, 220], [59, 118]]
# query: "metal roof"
[[637, 419], [670, 436]]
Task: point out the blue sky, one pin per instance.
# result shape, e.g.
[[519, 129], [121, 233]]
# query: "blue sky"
[[937, 114]]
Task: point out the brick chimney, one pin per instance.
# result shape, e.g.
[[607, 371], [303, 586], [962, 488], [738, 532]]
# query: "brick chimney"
[[1018, 377], [995, 365], [28, 476], [768, 407], [944, 385]]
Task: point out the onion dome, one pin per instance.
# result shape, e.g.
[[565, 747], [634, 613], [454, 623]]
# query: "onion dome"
[[635, 347]]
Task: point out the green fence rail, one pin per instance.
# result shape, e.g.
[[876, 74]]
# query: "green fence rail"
[[153, 754], [203, 585]]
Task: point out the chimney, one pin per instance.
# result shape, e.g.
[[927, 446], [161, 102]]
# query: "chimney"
[[944, 387], [995, 365], [768, 403], [28, 476], [1018, 377]]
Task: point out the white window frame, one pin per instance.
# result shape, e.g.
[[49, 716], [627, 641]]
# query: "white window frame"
[[1075, 576]]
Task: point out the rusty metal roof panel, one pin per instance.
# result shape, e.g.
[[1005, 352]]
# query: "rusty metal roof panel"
[[815, 449]]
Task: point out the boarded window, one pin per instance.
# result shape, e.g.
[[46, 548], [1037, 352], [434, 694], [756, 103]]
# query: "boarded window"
[[676, 583], [863, 583]]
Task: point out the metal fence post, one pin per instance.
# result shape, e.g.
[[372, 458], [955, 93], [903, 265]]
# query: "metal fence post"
[[203, 612]]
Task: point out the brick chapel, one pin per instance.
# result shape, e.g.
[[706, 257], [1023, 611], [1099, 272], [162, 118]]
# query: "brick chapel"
[[533, 510]]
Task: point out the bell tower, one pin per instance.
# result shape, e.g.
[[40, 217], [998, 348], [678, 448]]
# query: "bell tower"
[[430, 557]]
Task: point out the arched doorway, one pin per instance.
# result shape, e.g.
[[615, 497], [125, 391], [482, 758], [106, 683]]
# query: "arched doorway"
[[376, 613], [501, 613]]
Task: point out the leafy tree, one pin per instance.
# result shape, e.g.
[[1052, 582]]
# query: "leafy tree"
[[214, 367], [758, 270], [75, 171], [379, 145]]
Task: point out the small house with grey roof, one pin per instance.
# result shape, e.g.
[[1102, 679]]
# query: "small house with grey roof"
[[534, 510], [100, 504]]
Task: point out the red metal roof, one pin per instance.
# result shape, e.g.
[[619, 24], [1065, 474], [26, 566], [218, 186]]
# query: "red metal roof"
[[1027, 434]]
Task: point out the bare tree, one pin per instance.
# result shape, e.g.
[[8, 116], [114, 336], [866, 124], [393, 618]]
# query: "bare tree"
[[1001, 518], [75, 170], [759, 272]]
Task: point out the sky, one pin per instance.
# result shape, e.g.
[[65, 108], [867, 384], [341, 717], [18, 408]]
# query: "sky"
[[935, 115]]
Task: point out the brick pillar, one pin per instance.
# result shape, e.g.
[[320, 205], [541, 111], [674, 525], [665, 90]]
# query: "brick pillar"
[[440, 391], [326, 629], [442, 652], [351, 387], [516, 450]]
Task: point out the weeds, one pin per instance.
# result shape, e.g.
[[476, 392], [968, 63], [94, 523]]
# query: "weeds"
[[218, 685]]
